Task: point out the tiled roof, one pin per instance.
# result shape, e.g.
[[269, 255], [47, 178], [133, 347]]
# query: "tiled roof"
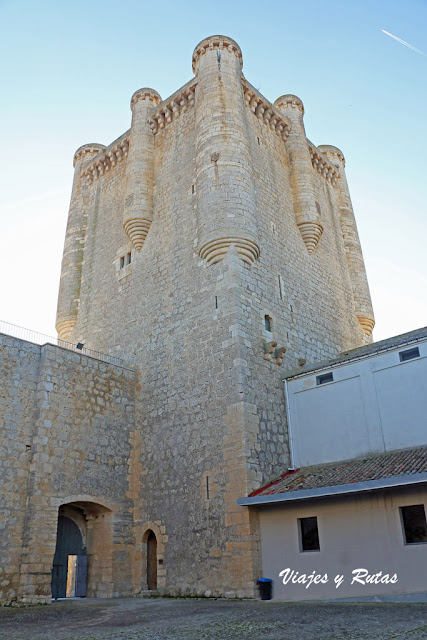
[[386, 465]]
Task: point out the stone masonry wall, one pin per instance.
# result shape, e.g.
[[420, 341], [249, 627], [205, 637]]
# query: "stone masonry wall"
[[65, 439], [19, 373]]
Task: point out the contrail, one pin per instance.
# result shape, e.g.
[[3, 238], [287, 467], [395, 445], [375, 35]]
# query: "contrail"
[[403, 42]]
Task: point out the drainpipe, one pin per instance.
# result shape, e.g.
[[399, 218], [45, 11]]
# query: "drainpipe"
[[288, 415]]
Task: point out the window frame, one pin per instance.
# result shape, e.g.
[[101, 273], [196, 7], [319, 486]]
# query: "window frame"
[[408, 352], [300, 535], [402, 523], [324, 378]]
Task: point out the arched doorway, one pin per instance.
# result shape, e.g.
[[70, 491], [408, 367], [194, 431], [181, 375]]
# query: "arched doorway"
[[83, 562], [151, 561], [69, 572]]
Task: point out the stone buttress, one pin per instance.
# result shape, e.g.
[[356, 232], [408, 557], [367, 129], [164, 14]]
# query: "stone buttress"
[[71, 269], [353, 250], [138, 204], [226, 206]]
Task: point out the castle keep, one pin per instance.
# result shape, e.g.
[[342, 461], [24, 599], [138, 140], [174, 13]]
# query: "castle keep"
[[210, 247]]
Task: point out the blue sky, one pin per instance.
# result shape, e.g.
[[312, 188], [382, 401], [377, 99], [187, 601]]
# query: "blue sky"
[[68, 70]]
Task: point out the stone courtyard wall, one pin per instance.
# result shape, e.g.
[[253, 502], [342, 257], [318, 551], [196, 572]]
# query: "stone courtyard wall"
[[66, 426]]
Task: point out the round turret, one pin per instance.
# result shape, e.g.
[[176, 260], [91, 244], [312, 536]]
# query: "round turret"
[[307, 213], [68, 300], [146, 94], [289, 101], [226, 202], [361, 296], [86, 151], [138, 203], [222, 43], [332, 152]]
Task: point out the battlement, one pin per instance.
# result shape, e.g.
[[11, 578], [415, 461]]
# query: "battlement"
[[221, 114], [107, 158], [332, 151], [167, 111], [145, 94], [216, 43], [323, 165], [86, 150], [170, 109], [265, 111]]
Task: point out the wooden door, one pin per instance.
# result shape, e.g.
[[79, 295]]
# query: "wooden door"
[[152, 561], [81, 576], [68, 542]]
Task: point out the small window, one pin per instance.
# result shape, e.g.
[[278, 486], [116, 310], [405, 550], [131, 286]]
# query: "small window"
[[409, 354], [318, 208], [280, 286], [309, 534], [323, 379], [122, 262], [129, 257], [414, 523], [267, 323]]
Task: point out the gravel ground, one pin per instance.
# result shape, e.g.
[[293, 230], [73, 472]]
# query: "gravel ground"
[[188, 619]]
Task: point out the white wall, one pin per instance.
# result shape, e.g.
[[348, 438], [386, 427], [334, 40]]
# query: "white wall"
[[373, 405], [354, 532]]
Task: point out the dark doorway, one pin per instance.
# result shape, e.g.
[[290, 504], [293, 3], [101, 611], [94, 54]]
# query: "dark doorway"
[[69, 552], [152, 561]]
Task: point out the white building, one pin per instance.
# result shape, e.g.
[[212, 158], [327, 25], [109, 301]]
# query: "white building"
[[355, 503]]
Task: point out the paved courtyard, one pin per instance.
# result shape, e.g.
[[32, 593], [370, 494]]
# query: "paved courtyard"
[[185, 619]]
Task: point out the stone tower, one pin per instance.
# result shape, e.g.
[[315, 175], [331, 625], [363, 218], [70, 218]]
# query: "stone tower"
[[211, 247]]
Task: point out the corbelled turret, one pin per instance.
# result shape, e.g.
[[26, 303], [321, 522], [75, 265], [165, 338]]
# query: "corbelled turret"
[[306, 212], [226, 205], [71, 270], [138, 204], [354, 256]]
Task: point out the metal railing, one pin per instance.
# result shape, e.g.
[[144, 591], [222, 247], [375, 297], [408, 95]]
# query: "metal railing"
[[41, 338]]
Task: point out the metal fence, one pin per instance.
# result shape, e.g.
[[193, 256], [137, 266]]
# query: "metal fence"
[[40, 338]]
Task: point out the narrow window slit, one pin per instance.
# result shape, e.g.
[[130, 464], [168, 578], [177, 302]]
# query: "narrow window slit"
[[280, 287]]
